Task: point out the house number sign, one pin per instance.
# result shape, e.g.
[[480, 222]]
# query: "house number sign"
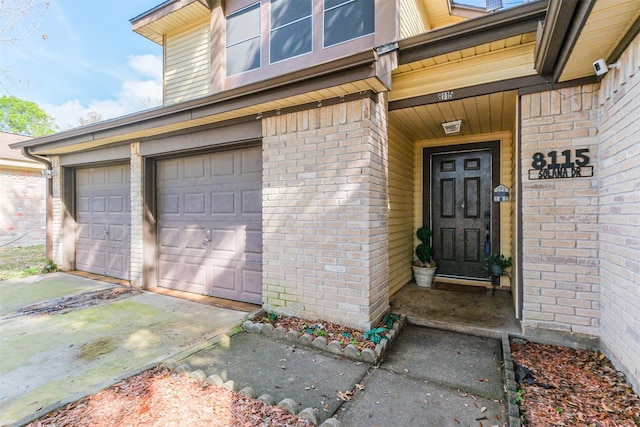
[[567, 164]]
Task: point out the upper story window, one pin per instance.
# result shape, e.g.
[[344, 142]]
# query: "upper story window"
[[291, 31], [243, 40], [347, 19], [485, 5]]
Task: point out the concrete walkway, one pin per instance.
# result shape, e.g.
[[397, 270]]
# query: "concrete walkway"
[[48, 359], [428, 378]]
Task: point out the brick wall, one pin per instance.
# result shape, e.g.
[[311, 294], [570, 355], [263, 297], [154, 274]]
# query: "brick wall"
[[22, 207], [619, 176], [561, 287], [325, 239], [137, 206]]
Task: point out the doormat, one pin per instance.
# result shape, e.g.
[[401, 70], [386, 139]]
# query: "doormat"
[[453, 287]]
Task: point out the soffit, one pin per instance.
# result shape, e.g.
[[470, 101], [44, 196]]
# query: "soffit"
[[483, 114], [188, 119], [605, 27], [156, 24], [437, 12]]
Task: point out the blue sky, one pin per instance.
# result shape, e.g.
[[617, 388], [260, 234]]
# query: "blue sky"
[[81, 56]]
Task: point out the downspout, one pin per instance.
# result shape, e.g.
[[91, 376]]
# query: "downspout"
[[48, 201]]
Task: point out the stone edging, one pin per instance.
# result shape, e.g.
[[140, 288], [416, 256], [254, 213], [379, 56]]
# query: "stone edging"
[[287, 404], [510, 385], [292, 337]]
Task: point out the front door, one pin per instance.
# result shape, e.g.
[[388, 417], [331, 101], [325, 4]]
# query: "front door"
[[461, 211]]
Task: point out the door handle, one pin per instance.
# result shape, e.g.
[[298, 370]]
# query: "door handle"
[[207, 237], [106, 230]]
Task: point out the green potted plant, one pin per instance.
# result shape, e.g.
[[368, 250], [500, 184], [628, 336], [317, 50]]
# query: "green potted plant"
[[496, 263], [424, 267]]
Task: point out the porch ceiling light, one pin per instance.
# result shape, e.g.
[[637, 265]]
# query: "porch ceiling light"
[[452, 127]]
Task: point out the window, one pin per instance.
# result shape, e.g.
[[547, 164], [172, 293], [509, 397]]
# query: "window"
[[347, 19], [291, 29], [243, 40]]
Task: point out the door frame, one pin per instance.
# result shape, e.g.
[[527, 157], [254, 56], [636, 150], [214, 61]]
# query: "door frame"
[[427, 152]]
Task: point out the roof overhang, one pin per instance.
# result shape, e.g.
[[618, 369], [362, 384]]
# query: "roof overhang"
[[169, 16], [577, 33], [357, 73], [485, 29]]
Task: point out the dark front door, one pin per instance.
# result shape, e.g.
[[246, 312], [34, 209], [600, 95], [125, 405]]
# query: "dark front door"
[[461, 188]]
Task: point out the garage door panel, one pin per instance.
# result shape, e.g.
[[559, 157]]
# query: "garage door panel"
[[184, 277], [252, 201], [169, 204], [194, 203], [251, 161], [194, 167], [222, 164], [221, 194], [117, 204], [223, 202], [103, 211]]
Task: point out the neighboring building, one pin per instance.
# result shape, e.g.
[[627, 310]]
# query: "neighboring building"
[[302, 143], [22, 199]]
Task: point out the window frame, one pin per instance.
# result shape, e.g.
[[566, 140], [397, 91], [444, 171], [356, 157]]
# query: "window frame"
[[257, 4], [344, 3], [273, 29]]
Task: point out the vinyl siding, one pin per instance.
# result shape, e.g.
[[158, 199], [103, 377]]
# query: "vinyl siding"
[[401, 218], [187, 64], [412, 19]]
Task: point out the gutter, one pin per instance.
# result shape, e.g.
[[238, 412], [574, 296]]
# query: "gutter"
[[48, 200]]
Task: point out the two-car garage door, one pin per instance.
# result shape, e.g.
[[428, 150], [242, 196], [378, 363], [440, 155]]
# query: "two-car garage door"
[[209, 224]]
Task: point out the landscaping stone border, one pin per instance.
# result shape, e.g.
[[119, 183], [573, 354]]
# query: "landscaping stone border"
[[287, 404], [292, 337], [510, 384]]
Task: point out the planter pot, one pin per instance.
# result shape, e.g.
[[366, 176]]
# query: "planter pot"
[[424, 275], [496, 270]]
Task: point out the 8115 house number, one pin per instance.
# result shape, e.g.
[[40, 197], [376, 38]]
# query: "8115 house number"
[[568, 165]]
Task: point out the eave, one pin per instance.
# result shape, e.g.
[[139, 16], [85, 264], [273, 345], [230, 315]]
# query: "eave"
[[329, 80], [485, 29]]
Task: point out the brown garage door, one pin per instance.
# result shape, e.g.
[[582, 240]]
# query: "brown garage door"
[[103, 216], [210, 224]]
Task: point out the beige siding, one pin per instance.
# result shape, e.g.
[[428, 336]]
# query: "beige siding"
[[401, 221], [187, 64], [412, 19]]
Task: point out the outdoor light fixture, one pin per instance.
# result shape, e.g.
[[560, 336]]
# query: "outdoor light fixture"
[[48, 173], [452, 127]]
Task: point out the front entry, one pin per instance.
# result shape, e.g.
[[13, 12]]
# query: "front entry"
[[465, 229]]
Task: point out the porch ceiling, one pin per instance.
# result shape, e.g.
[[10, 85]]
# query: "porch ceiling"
[[483, 114]]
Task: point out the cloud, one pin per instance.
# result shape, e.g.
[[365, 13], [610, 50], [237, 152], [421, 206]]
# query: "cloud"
[[142, 91]]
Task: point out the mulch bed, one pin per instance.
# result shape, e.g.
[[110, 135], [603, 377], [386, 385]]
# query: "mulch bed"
[[331, 331], [567, 387], [160, 398]]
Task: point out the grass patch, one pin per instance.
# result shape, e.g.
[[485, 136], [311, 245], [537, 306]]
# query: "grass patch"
[[21, 261]]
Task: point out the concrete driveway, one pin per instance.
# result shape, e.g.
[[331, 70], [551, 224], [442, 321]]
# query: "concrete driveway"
[[48, 358]]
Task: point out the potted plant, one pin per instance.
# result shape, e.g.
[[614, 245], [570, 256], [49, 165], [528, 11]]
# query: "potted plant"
[[496, 264], [424, 268]]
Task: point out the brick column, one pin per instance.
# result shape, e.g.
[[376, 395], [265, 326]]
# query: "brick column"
[[560, 216], [137, 215], [325, 213], [57, 210]]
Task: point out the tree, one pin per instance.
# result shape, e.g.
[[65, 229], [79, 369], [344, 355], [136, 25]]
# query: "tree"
[[16, 25], [91, 117], [24, 117]]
